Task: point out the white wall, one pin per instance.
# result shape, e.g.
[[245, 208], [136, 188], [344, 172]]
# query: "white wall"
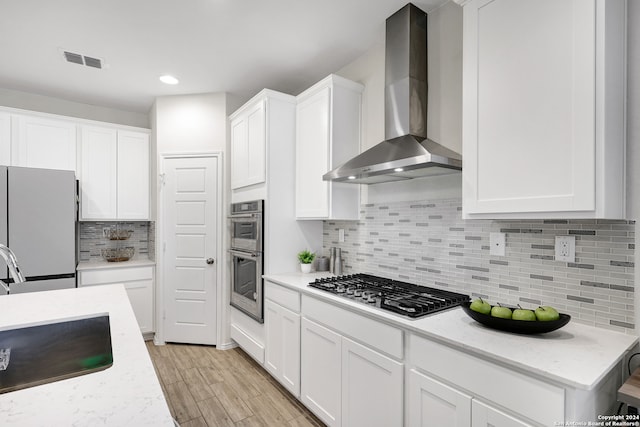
[[191, 123], [633, 129], [633, 109], [444, 110], [47, 104], [194, 124]]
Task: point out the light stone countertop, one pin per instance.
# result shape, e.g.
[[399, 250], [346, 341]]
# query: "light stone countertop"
[[125, 394], [98, 265], [576, 355]]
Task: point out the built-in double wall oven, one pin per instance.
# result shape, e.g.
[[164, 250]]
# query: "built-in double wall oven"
[[247, 257]]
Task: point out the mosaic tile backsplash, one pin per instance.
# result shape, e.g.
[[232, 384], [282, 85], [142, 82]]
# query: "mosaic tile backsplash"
[[92, 240], [428, 243]]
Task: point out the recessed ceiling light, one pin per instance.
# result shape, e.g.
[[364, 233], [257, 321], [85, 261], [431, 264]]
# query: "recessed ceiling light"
[[352, 177], [398, 170], [170, 80]]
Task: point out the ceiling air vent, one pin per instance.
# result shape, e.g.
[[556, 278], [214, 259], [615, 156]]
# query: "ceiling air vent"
[[92, 62], [76, 58]]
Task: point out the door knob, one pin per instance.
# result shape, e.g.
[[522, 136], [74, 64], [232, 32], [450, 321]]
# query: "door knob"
[[210, 261]]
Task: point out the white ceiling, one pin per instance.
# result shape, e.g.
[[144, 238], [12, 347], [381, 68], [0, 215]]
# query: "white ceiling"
[[233, 46]]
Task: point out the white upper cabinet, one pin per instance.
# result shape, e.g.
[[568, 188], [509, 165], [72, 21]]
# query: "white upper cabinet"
[[248, 143], [44, 143], [5, 139], [133, 175], [98, 162], [328, 118], [543, 109], [114, 180]]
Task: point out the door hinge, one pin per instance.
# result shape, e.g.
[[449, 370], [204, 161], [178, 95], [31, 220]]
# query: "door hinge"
[[164, 246], [164, 314]]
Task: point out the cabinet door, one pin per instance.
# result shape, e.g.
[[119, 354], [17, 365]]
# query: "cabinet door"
[[291, 351], [320, 371], [364, 372], [529, 106], [5, 139], [141, 298], [133, 175], [256, 141], [486, 416], [312, 155], [239, 152], [45, 143], [274, 339], [282, 353], [98, 154], [432, 403], [248, 147], [138, 282]]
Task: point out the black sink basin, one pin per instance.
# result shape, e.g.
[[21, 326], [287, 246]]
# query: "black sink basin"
[[54, 351]]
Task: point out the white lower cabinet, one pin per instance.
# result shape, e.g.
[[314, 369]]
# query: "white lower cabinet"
[[432, 403], [364, 372], [282, 352], [346, 383], [138, 281], [486, 416], [321, 370]]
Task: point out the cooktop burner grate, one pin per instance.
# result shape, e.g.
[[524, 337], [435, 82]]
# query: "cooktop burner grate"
[[403, 298]]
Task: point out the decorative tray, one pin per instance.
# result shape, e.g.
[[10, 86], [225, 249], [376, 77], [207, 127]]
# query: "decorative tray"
[[118, 254], [516, 326], [117, 234]]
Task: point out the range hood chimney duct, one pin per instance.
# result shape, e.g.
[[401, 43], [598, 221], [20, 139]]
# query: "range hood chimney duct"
[[406, 151]]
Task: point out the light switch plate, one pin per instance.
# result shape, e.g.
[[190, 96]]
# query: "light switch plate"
[[340, 235], [497, 244]]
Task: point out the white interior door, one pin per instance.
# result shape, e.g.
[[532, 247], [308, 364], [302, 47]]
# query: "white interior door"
[[191, 210]]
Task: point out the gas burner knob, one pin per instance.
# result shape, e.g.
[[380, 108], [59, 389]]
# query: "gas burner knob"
[[350, 290], [340, 288]]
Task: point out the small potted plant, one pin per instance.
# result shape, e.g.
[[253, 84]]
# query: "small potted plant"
[[306, 258]]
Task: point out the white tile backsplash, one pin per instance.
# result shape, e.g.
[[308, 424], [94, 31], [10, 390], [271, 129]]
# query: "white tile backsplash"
[[92, 240], [428, 243]]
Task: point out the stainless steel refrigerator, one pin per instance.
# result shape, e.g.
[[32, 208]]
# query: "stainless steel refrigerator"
[[38, 212]]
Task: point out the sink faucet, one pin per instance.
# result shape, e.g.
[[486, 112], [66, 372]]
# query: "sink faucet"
[[12, 263]]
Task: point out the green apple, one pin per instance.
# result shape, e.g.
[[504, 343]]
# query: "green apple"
[[523, 314], [546, 313], [501, 312], [481, 306]]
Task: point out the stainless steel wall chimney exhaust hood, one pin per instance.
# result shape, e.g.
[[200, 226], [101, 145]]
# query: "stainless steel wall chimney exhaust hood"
[[406, 151]]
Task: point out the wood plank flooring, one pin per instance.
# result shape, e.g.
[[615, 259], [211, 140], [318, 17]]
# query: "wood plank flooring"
[[207, 387]]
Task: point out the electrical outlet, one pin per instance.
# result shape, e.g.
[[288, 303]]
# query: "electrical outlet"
[[341, 235], [497, 243], [566, 248]]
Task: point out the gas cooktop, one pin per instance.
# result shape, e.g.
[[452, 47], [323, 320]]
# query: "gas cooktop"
[[402, 298]]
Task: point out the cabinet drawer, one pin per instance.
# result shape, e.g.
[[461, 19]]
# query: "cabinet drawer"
[[117, 275], [375, 334], [537, 400], [285, 297]]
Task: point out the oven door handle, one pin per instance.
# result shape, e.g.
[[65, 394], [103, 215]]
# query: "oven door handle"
[[240, 216], [243, 254]]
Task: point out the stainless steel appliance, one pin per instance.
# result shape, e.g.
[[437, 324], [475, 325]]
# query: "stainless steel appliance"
[[38, 211], [247, 257], [402, 298], [406, 151]]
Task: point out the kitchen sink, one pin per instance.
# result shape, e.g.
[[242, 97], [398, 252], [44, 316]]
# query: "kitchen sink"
[[39, 354]]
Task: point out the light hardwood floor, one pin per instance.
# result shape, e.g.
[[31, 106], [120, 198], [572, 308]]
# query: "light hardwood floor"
[[206, 387]]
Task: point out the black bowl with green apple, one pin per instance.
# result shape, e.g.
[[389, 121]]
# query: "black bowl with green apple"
[[527, 327]]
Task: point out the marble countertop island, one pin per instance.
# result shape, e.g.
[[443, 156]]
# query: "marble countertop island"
[[126, 394]]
